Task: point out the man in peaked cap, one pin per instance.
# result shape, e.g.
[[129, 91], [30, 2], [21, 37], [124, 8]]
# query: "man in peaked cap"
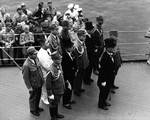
[[99, 25], [33, 79], [99, 20], [53, 38], [117, 57], [82, 62], [55, 86]]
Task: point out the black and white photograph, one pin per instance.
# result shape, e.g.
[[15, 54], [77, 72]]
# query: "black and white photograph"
[[75, 59]]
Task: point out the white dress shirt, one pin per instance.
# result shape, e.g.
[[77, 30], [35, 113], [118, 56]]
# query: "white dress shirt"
[[111, 56]]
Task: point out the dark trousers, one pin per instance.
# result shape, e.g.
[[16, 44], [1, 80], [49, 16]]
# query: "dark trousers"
[[68, 93], [88, 73], [112, 82], [67, 96], [34, 99], [95, 58], [103, 94], [78, 80], [53, 107], [95, 61]]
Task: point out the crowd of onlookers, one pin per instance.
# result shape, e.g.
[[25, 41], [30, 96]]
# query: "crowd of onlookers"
[[27, 27]]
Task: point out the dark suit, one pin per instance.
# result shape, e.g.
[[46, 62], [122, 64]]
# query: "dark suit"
[[33, 78], [106, 74], [95, 46], [98, 44], [69, 69], [117, 62]]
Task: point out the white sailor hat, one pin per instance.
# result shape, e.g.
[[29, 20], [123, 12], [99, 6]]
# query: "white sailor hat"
[[70, 6], [58, 13], [79, 9], [76, 6], [23, 4]]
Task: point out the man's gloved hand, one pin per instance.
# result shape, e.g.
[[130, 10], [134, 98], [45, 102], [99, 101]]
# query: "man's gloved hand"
[[69, 85], [30, 89], [96, 50], [51, 97], [103, 84]]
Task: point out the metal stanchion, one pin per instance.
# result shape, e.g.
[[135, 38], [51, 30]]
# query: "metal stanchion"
[[11, 58]]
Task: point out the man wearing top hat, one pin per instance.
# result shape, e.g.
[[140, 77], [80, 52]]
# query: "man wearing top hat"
[[95, 46], [106, 73], [33, 79]]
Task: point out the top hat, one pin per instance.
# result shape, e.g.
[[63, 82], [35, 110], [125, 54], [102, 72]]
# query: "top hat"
[[110, 43], [70, 6], [89, 25]]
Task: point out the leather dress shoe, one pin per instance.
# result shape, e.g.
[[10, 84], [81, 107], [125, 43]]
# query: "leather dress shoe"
[[115, 87], [40, 109], [54, 118], [91, 80], [35, 113], [108, 104], [96, 72], [82, 90], [112, 91], [72, 102], [103, 107], [59, 116], [68, 106], [77, 94]]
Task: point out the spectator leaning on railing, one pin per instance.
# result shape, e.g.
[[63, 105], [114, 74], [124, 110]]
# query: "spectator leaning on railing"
[[7, 38], [26, 39]]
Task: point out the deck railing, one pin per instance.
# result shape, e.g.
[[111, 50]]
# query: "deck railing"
[[132, 44]]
